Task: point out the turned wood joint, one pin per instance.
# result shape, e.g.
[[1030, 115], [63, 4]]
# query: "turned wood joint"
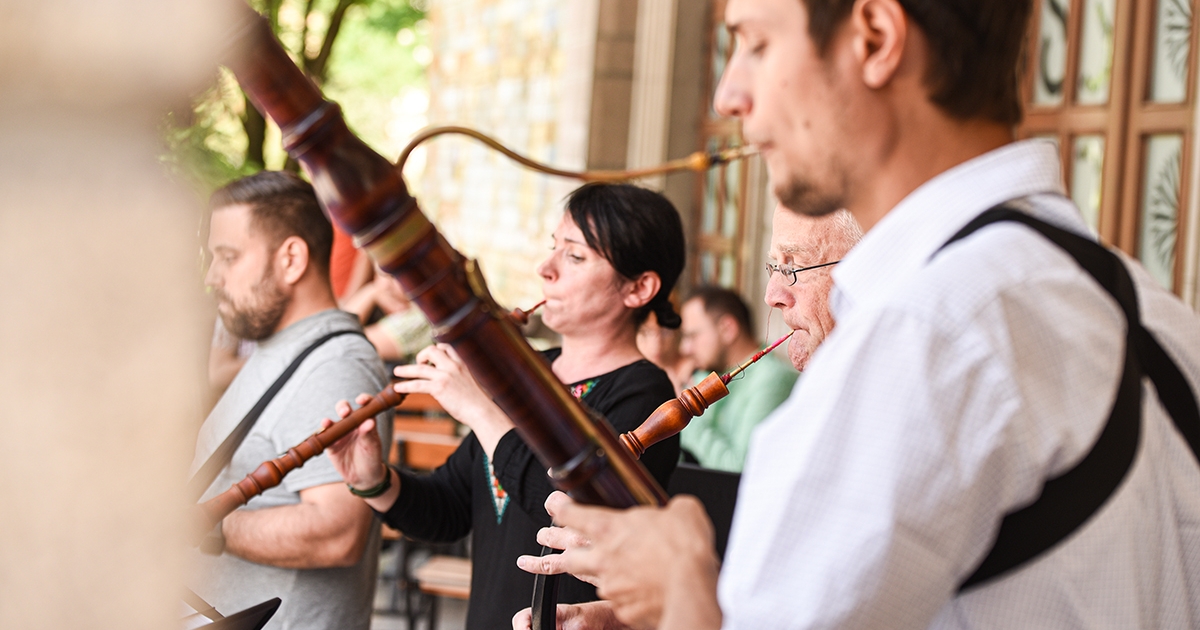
[[672, 416]]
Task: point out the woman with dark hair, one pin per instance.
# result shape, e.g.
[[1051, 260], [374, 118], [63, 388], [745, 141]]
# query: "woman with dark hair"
[[616, 256]]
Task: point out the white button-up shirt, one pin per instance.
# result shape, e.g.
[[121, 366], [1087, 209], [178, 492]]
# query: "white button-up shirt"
[[949, 392]]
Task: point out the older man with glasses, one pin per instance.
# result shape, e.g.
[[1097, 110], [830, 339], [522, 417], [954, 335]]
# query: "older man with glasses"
[[718, 333], [803, 250]]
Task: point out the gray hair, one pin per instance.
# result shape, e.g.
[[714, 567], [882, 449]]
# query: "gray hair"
[[844, 230]]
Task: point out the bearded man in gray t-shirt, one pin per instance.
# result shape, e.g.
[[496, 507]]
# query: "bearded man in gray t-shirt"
[[308, 541]]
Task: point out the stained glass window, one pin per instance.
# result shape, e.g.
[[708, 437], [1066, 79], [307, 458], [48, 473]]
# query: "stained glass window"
[[1096, 52], [1172, 45], [1160, 206], [1087, 172], [1052, 53]]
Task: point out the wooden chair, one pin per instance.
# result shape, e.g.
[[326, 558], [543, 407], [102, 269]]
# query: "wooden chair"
[[424, 436], [443, 576], [421, 405]]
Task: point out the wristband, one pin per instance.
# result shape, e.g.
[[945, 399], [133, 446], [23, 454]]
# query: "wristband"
[[376, 490]]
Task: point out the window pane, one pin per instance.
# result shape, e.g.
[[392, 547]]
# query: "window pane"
[[720, 55], [1052, 53], [733, 189], [1160, 207], [1087, 171], [1172, 35], [728, 271], [709, 220], [712, 205], [1096, 51], [708, 268]]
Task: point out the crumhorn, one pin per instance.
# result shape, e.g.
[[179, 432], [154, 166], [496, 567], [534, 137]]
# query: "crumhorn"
[[366, 196]]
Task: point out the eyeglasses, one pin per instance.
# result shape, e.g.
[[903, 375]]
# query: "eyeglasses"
[[789, 273]]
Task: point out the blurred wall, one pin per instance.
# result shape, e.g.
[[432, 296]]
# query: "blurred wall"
[[101, 340], [552, 79]]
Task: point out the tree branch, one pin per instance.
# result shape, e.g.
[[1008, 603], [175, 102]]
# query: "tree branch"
[[256, 134], [319, 67], [305, 62]]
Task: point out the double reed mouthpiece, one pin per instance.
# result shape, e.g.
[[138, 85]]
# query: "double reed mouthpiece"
[[698, 161], [738, 370], [521, 317]]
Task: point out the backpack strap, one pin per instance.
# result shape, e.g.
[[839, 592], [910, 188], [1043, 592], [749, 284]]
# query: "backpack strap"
[[1070, 499], [223, 454]]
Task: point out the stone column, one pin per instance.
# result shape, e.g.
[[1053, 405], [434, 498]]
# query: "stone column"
[[101, 337]]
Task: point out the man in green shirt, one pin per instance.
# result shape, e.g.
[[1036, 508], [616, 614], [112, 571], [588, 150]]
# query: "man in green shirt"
[[717, 335]]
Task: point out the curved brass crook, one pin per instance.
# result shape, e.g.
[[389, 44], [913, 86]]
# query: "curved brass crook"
[[698, 161]]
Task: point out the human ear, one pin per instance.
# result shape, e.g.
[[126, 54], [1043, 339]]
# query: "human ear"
[[292, 258], [727, 328], [642, 289], [880, 31]]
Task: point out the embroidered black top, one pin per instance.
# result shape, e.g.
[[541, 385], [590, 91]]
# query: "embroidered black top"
[[504, 512]]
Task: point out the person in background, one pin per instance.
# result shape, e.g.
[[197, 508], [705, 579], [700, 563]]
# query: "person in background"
[[660, 345], [350, 268], [402, 331], [717, 335]]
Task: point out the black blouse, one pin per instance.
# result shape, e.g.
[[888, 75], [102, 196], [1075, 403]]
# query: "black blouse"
[[459, 498]]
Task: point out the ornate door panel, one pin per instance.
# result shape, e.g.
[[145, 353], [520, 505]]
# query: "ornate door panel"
[[1111, 82]]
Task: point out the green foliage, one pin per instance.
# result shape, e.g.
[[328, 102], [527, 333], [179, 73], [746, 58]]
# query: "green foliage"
[[390, 16], [365, 67], [374, 61]]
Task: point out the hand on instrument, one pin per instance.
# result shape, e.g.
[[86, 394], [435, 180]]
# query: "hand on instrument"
[[589, 616], [653, 564], [561, 538], [441, 373], [358, 457]]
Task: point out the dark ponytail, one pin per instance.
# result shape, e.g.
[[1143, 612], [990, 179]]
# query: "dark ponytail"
[[635, 230], [664, 311]]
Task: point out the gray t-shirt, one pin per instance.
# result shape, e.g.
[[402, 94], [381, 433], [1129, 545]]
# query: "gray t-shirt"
[[341, 368]]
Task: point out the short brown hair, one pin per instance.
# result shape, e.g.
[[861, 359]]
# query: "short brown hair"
[[719, 301], [282, 205], [975, 49]]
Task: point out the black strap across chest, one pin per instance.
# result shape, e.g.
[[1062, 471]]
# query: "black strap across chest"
[[223, 454], [1070, 499]]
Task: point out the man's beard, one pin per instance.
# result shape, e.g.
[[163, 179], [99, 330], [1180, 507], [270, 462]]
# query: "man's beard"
[[720, 362], [259, 319], [801, 197]]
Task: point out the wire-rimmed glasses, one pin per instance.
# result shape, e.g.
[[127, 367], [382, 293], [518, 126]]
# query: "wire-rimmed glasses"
[[789, 273]]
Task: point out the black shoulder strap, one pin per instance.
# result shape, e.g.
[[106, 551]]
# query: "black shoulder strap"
[[1069, 500], [221, 457]]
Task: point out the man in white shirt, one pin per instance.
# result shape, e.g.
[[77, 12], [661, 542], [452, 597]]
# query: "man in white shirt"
[[957, 382]]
